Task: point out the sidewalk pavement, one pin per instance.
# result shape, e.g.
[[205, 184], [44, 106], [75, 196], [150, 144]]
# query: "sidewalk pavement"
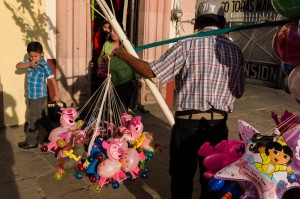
[[29, 174]]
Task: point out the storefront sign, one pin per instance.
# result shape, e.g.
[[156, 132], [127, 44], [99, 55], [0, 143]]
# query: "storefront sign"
[[248, 6], [263, 73]]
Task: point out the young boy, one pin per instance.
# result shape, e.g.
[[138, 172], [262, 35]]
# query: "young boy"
[[38, 71]]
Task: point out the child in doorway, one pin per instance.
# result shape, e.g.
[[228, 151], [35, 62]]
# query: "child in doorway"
[[38, 71]]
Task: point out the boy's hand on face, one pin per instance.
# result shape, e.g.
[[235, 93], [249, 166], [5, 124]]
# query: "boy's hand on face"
[[34, 64]]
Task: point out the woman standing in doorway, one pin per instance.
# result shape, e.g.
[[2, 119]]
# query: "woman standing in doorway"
[[121, 73]]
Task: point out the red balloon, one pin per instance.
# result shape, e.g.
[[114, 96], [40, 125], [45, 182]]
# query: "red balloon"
[[44, 148], [286, 43], [93, 179], [100, 157]]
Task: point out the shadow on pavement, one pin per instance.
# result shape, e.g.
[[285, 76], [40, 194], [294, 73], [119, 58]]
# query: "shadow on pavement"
[[156, 185], [8, 185]]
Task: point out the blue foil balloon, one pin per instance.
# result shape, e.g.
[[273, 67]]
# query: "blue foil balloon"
[[216, 184]]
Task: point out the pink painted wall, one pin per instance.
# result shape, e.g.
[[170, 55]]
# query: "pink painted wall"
[[155, 25], [74, 45], [73, 51]]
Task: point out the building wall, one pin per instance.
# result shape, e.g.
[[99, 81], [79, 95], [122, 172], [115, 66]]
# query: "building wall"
[[155, 25], [63, 28], [73, 51], [21, 22]]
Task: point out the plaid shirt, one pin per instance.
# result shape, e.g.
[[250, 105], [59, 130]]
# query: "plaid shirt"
[[207, 71], [36, 81]]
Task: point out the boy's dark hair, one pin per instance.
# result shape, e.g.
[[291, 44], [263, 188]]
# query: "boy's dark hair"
[[34, 47]]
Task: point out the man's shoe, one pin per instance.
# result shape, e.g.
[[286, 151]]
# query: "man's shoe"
[[26, 146]]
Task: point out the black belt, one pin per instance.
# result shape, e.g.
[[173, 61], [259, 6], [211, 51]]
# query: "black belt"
[[212, 114]]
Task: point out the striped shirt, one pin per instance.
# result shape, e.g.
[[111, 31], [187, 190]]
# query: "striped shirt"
[[207, 70], [36, 80]]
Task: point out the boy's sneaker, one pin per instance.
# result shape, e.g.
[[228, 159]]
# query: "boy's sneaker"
[[25, 145]]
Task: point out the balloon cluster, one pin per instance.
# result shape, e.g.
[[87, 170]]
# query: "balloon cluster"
[[286, 43], [217, 158], [122, 157], [110, 160], [67, 142], [261, 166]]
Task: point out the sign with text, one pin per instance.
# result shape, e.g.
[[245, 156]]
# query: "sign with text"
[[262, 65], [263, 73], [248, 6], [249, 10]]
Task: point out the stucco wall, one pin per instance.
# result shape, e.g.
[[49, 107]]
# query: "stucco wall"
[[68, 42], [64, 29], [21, 22], [155, 25]]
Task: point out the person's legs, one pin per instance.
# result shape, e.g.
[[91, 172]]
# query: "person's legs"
[[36, 107], [183, 157], [186, 139], [46, 124], [212, 132]]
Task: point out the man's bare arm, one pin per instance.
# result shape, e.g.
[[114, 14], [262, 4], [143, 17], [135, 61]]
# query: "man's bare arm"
[[140, 66]]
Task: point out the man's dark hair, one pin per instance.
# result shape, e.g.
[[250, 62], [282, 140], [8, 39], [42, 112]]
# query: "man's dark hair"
[[211, 20], [34, 47]]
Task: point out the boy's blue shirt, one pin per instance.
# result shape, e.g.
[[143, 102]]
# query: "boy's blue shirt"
[[37, 80]]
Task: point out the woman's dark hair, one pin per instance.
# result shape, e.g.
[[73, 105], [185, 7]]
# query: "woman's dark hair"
[[102, 24], [34, 47], [109, 37]]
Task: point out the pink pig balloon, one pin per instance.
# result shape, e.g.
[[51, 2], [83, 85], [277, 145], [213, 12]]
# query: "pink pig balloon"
[[108, 168], [67, 123], [54, 134], [130, 160], [115, 148], [68, 117]]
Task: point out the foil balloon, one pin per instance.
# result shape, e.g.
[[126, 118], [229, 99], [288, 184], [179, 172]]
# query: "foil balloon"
[[287, 8], [271, 162], [223, 154], [286, 121], [130, 160], [67, 123], [108, 168], [115, 148], [294, 82], [286, 43]]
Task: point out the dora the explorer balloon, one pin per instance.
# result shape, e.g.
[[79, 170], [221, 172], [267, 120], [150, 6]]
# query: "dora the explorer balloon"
[[275, 154]]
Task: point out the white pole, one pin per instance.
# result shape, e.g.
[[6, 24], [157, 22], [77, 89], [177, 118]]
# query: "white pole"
[[113, 22], [108, 83], [124, 20]]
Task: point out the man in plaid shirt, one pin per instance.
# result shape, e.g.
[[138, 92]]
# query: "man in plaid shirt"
[[209, 75]]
